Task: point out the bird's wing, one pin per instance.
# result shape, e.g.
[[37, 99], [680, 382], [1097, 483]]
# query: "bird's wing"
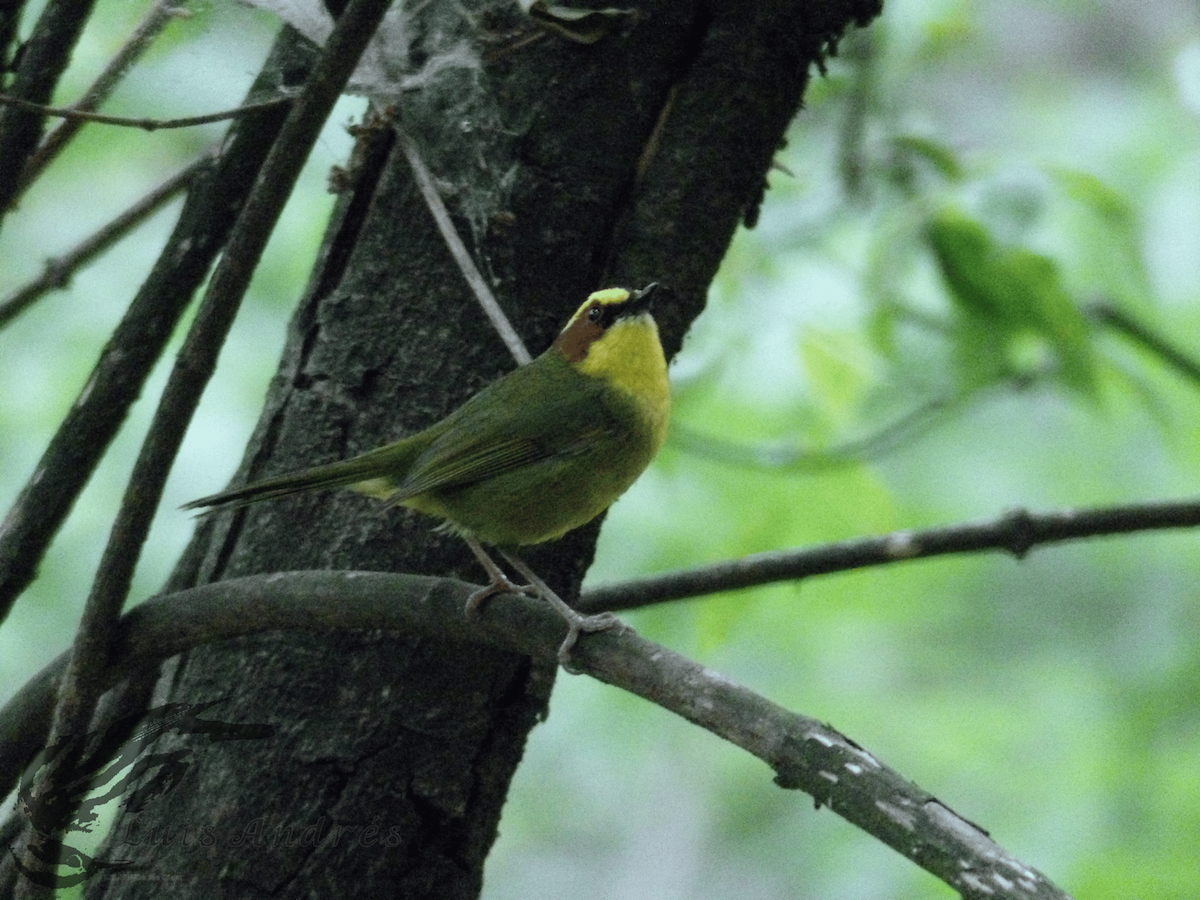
[[494, 433], [446, 466]]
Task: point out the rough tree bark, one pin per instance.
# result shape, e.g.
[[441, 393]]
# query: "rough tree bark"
[[567, 167]]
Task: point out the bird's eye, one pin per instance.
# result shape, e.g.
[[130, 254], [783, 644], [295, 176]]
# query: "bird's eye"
[[595, 314]]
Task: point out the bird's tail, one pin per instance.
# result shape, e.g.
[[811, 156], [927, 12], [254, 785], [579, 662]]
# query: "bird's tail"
[[378, 473]]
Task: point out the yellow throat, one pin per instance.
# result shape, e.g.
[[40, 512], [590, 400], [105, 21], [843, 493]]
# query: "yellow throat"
[[627, 355]]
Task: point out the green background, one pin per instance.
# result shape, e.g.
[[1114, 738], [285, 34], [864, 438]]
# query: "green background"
[[904, 340]]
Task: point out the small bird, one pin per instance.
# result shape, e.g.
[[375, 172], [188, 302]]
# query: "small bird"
[[538, 452]]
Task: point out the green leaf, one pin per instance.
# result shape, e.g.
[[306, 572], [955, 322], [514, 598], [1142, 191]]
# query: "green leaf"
[[939, 155], [1016, 311], [963, 250], [1107, 238], [1096, 195], [838, 371]]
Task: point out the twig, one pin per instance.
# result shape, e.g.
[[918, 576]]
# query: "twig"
[[214, 201], [1016, 532], [887, 439], [58, 271], [143, 36], [74, 114], [43, 58], [1146, 338], [804, 753], [483, 294]]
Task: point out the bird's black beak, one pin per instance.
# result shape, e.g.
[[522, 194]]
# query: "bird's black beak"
[[640, 301]]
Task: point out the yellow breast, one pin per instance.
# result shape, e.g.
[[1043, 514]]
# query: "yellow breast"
[[629, 357]]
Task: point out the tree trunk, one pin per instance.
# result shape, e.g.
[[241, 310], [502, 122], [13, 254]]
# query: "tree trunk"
[[567, 167]]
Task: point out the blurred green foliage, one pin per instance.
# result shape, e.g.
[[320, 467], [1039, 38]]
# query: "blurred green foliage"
[[907, 338]]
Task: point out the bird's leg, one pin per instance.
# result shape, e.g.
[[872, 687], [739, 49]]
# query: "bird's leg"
[[576, 622], [498, 582]]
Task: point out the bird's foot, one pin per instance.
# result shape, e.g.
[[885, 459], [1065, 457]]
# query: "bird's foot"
[[576, 625], [498, 585]]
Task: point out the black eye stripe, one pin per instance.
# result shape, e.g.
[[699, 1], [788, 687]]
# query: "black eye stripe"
[[605, 314]]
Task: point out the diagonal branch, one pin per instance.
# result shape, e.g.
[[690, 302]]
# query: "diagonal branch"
[[10, 20], [43, 59], [59, 270], [198, 358], [1146, 337], [92, 648], [214, 200], [913, 424], [458, 250], [1016, 532], [804, 753]]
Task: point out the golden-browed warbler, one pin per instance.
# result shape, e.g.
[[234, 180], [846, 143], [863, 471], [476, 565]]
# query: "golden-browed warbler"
[[542, 450]]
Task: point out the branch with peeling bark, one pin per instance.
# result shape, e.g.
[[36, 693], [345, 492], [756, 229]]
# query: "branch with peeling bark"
[[804, 753]]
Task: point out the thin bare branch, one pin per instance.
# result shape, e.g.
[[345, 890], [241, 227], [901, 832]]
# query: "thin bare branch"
[[10, 19], [784, 456], [214, 200], [59, 270], [73, 114], [910, 426], [483, 294], [804, 753], [1016, 532], [137, 44], [89, 659], [198, 357]]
